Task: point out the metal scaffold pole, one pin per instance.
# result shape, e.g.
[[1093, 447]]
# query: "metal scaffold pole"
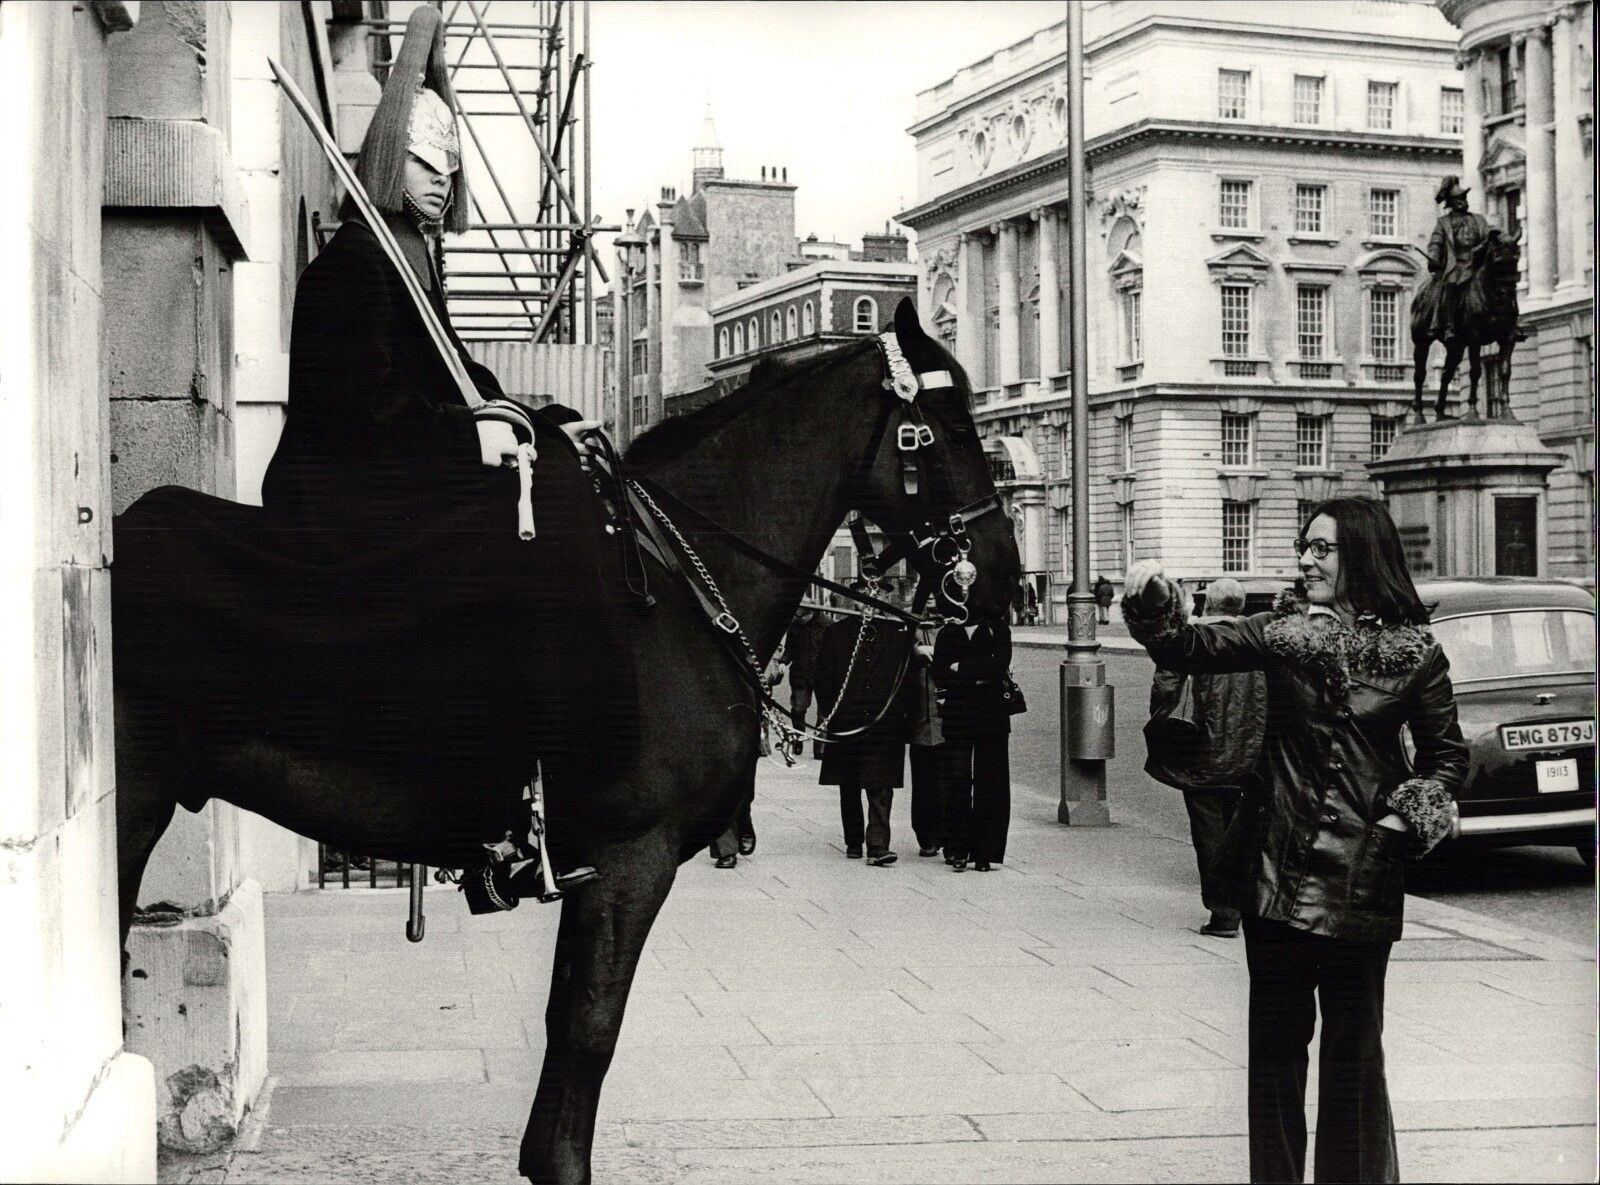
[[1087, 704]]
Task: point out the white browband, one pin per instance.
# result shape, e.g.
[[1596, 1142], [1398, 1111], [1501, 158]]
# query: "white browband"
[[902, 380]]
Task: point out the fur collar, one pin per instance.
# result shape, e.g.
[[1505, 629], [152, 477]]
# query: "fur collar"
[[1330, 650]]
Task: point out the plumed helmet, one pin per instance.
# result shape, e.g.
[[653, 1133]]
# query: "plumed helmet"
[[416, 115], [1451, 187]]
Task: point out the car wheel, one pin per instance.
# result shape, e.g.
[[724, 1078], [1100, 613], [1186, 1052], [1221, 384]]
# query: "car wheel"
[[1586, 854]]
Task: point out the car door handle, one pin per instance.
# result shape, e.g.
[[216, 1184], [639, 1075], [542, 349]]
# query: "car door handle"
[[1544, 697]]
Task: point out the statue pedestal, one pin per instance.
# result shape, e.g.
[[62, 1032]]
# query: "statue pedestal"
[[1469, 497]]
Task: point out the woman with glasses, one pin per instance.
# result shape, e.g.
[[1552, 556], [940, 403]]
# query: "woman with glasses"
[[1315, 854]]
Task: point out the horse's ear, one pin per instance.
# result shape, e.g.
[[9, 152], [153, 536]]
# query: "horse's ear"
[[906, 325]]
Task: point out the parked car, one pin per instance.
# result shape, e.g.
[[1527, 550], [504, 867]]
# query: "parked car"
[[1522, 659]]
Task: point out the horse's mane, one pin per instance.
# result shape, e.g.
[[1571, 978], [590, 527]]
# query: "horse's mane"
[[670, 439]]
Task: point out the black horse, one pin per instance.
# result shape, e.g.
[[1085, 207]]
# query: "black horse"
[[1489, 316], [779, 463]]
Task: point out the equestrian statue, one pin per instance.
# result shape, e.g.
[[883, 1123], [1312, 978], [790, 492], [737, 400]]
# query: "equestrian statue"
[[1469, 300], [461, 633]]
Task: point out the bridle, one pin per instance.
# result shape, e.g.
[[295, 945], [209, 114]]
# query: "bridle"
[[936, 546]]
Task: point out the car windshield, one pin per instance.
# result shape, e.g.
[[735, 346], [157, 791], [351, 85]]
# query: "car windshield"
[[1518, 642]]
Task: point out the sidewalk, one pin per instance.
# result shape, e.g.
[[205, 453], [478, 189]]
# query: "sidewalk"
[[1113, 638], [804, 1018]]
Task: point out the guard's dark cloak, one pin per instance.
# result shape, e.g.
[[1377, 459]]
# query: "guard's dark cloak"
[[380, 606]]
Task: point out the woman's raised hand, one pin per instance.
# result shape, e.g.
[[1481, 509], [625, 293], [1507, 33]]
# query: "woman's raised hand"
[[1148, 583]]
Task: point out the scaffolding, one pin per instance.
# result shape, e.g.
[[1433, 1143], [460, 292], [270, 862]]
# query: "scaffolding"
[[527, 267]]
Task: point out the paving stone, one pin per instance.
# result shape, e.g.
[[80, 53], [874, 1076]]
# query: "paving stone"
[[743, 1098], [351, 1066], [1065, 1058], [978, 1094], [868, 1060], [645, 1063], [853, 1131]]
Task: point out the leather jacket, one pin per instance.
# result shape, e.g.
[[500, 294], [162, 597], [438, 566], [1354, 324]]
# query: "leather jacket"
[[1305, 847]]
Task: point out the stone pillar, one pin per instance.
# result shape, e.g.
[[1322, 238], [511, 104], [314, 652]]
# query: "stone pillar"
[[1541, 185], [969, 325], [173, 227], [1049, 297], [1006, 257], [1571, 207], [651, 379], [669, 315], [78, 1106], [1472, 125]]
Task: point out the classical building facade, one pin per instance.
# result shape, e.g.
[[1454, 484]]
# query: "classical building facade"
[[1529, 77], [1261, 178]]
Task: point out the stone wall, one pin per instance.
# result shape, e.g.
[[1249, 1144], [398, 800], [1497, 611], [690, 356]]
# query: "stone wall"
[[78, 1106]]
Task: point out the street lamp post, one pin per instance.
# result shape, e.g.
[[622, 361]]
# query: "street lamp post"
[[1087, 703]]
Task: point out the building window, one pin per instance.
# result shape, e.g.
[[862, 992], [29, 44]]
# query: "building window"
[[1510, 89], [738, 339], [1127, 536], [866, 315], [1383, 213], [691, 264], [755, 334], [1384, 430], [1310, 204], [641, 357], [1233, 205], [1310, 441], [789, 325], [1125, 443], [1452, 111], [1233, 94], [1380, 105], [808, 319], [1238, 522], [1302, 514], [1383, 324], [1311, 320], [1235, 320], [1238, 441], [1307, 98], [722, 342], [775, 327], [1132, 330]]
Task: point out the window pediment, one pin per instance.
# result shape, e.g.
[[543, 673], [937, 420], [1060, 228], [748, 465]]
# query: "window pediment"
[[1312, 268], [1241, 261]]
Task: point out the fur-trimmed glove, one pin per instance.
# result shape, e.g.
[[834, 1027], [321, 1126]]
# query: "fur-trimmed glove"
[[1427, 808]]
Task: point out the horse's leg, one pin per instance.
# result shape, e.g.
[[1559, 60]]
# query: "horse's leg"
[[146, 801], [603, 931], [1421, 344], [1452, 360], [1474, 371]]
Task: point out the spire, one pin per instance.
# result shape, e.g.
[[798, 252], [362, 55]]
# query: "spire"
[[708, 153]]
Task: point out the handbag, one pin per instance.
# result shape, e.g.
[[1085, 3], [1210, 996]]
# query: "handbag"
[[1016, 703], [1175, 732]]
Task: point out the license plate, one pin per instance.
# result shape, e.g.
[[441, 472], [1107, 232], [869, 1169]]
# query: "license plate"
[[1555, 776], [1553, 734]]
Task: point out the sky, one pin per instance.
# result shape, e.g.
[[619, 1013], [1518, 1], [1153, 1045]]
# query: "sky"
[[825, 88]]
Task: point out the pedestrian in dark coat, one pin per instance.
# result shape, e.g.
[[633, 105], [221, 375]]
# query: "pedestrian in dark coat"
[[799, 652], [1104, 594], [1230, 712], [970, 666], [872, 762], [1316, 851], [926, 739]]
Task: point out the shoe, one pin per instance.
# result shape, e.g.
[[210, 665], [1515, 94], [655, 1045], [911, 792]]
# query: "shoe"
[[853, 851], [747, 844], [502, 886], [882, 859], [949, 859], [727, 861], [1223, 924], [958, 864], [934, 851], [982, 866]]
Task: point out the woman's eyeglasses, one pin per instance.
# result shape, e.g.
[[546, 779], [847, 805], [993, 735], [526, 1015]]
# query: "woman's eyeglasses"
[[1319, 548]]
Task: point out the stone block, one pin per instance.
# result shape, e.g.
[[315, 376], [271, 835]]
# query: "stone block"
[[194, 1001], [86, 706], [195, 866], [168, 442], [113, 1137], [172, 64], [152, 262]]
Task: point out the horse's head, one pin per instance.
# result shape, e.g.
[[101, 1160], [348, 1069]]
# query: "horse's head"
[[926, 482], [1502, 256]]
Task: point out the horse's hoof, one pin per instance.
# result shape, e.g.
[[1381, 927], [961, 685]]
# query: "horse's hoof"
[[727, 861]]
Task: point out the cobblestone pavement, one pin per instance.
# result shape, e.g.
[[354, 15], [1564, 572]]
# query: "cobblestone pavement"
[[804, 1018]]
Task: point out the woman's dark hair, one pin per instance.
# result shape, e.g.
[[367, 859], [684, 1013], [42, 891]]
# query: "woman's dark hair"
[[1372, 563]]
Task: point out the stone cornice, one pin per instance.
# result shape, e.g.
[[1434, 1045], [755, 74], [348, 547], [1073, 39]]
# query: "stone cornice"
[[175, 164], [1166, 131]]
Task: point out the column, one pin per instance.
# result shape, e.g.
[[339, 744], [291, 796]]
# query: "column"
[[1571, 211], [1049, 298], [1472, 125], [669, 311], [1007, 275], [1541, 183], [969, 325]]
